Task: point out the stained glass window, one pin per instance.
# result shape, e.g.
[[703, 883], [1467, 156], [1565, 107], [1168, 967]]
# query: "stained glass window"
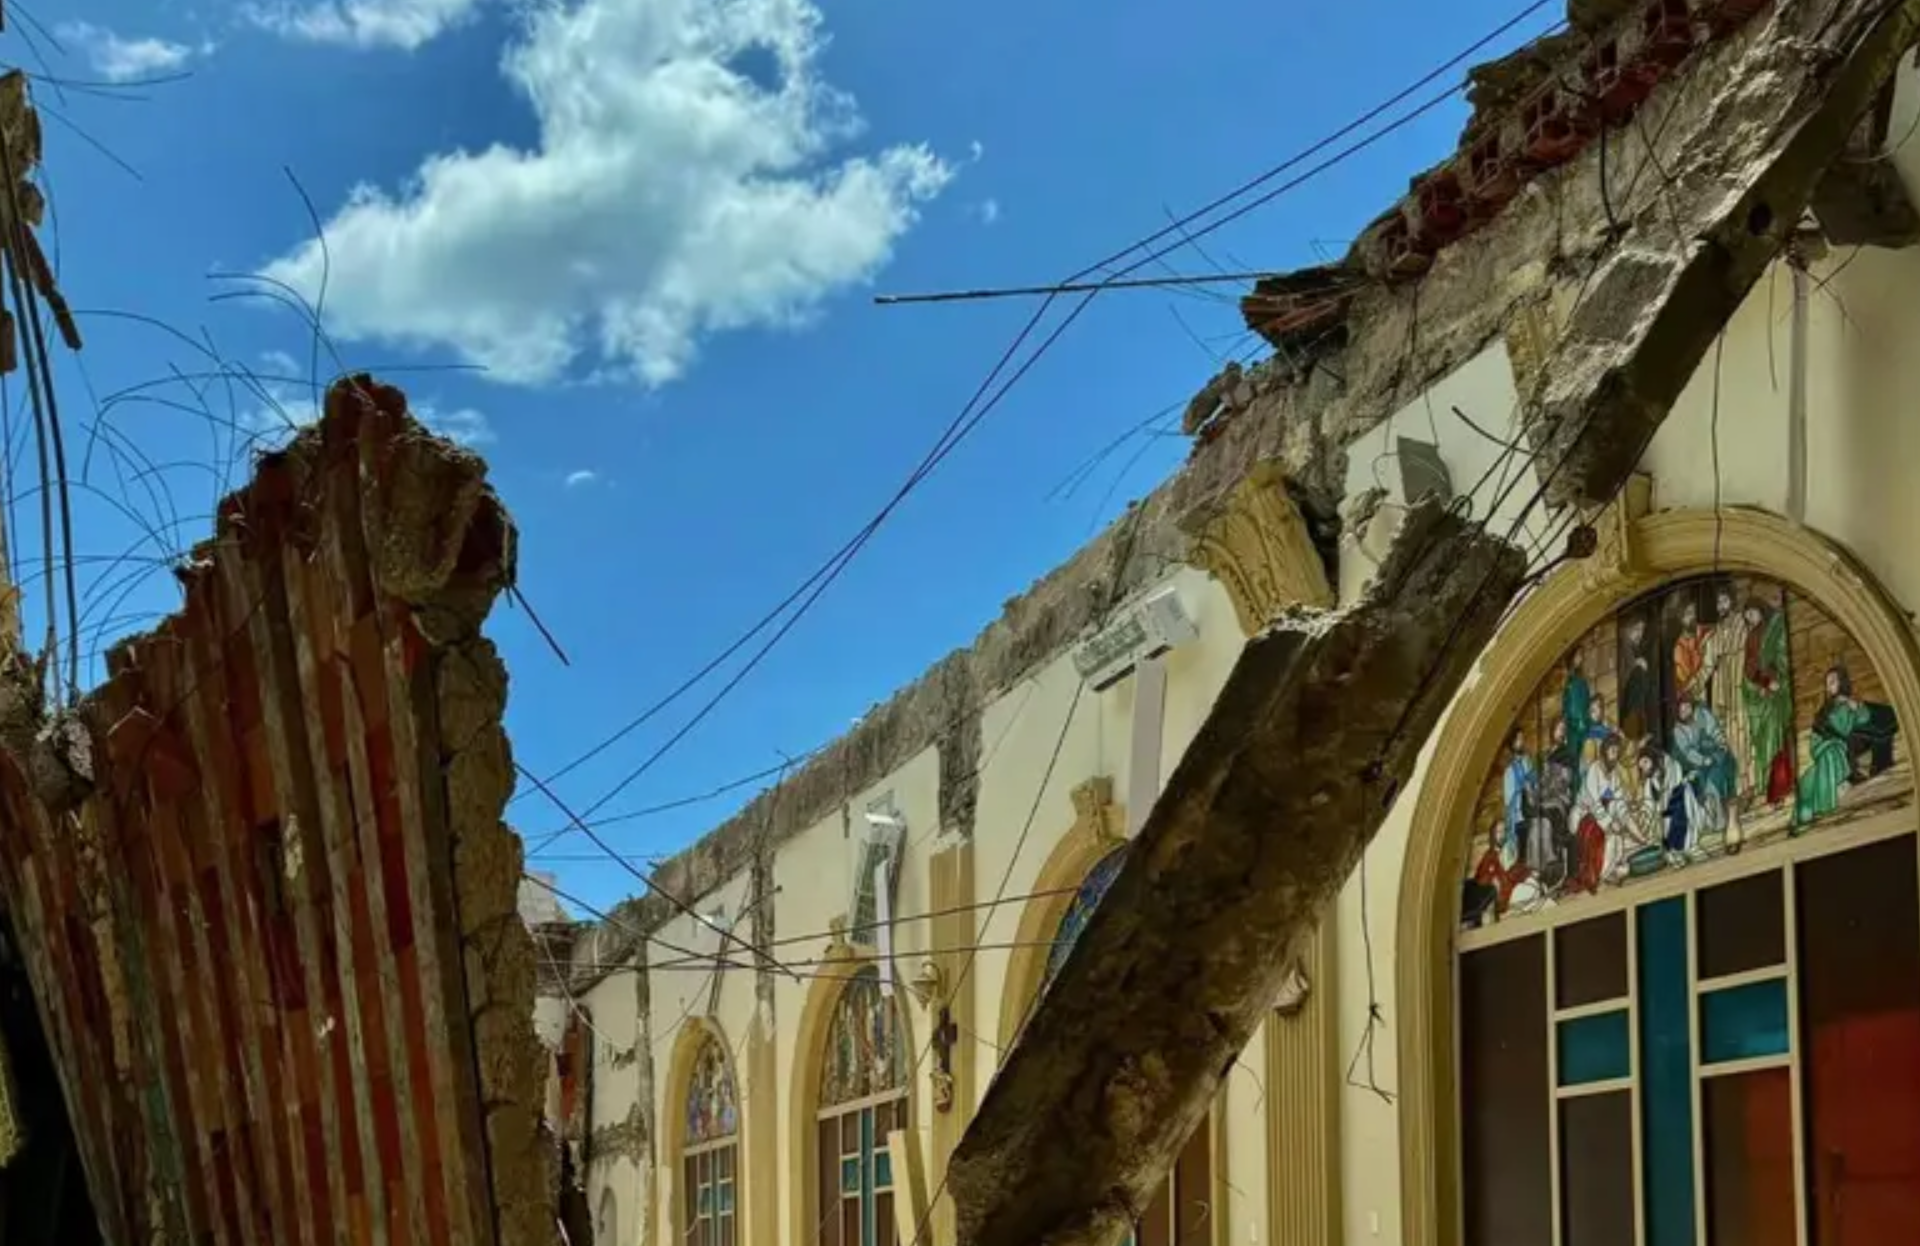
[[863, 1098], [1709, 1059], [1714, 715], [711, 1155], [713, 1111], [1092, 889], [865, 1056]]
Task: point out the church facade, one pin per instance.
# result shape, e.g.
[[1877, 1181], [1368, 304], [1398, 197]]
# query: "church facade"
[[1636, 959]]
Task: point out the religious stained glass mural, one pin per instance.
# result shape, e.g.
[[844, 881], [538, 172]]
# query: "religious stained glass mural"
[[865, 1054], [713, 1112], [1086, 898], [1715, 714], [1688, 989]]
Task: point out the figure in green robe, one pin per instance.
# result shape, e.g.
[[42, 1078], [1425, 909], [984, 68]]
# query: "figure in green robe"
[[1766, 688], [1845, 731], [1576, 702]]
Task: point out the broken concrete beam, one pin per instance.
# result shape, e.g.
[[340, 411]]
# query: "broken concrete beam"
[[1863, 201], [1315, 732], [1796, 89], [1865, 204]]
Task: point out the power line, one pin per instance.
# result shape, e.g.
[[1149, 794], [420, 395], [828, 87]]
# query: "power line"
[[864, 927], [707, 964], [731, 785], [1072, 287], [967, 422], [968, 418], [685, 909], [1539, 494]]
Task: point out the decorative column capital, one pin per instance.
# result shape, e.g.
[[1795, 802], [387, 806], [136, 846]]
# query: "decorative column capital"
[[1256, 543]]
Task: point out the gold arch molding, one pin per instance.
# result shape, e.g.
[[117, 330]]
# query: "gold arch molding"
[[1099, 826], [1645, 554]]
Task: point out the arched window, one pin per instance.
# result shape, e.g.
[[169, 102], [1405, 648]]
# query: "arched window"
[[1689, 961], [863, 1097], [1180, 1214], [710, 1158], [1092, 890]]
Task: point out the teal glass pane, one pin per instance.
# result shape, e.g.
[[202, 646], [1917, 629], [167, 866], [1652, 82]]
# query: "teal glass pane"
[[1666, 1076], [882, 1170], [706, 1201], [869, 1203], [726, 1197], [1594, 1049], [1744, 1022], [850, 1175]]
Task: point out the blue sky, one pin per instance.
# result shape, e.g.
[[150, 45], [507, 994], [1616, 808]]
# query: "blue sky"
[[649, 231]]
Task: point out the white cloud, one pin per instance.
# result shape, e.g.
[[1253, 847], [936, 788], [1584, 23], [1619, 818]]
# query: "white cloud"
[[404, 24], [278, 363], [121, 60], [989, 211], [977, 150], [581, 477], [283, 411], [463, 425], [687, 181]]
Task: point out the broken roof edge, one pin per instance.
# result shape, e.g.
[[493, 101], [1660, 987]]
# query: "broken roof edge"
[[1534, 110], [1298, 413]]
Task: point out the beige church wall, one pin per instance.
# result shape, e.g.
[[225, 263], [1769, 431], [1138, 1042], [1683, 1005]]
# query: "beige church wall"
[[614, 1087], [1196, 673], [626, 1182], [678, 998], [1863, 423], [1020, 730], [1484, 390], [1240, 1148], [1037, 731], [813, 872], [1863, 390]]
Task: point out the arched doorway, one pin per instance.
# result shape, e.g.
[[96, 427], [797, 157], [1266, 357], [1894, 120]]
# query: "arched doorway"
[[864, 1080], [1634, 1002]]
